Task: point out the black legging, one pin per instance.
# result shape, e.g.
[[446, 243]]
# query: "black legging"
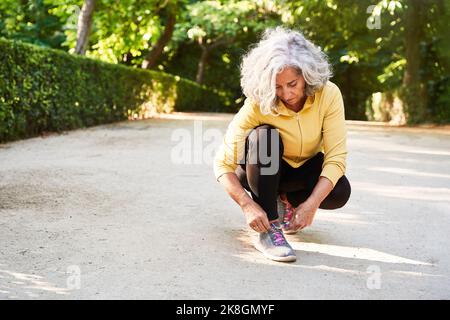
[[265, 179]]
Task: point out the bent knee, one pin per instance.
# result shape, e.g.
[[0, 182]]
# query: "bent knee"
[[267, 135], [339, 196], [342, 192]]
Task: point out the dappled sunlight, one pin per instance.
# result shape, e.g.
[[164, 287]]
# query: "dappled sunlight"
[[13, 282], [119, 120], [382, 146], [404, 191], [254, 256], [353, 253], [418, 274], [415, 161], [409, 172], [250, 254], [340, 218], [325, 268]]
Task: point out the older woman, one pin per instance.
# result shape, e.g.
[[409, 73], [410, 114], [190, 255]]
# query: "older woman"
[[287, 145]]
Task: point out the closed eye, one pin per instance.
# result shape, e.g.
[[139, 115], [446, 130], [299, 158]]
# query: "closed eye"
[[290, 84]]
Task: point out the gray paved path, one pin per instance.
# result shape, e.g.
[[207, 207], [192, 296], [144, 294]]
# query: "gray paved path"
[[105, 213]]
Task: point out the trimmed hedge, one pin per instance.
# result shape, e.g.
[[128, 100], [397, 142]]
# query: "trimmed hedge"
[[44, 89]]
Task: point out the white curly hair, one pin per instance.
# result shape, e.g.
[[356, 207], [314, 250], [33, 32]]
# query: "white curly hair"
[[280, 48]]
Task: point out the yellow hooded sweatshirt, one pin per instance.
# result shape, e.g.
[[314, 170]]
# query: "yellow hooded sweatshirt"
[[318, 126]]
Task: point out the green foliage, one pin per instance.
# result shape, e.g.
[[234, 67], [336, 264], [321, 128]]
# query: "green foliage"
[[340, 29], [368, 59], [122, 31], [365, 60], [225, 29], [208, 21], [49, 90], [31, 21]]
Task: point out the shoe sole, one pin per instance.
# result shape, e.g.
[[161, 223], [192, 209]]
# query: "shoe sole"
[[290, 232], [275, 258]]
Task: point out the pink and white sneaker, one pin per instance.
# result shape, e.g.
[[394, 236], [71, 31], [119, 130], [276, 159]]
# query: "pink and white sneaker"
[[285, 213]]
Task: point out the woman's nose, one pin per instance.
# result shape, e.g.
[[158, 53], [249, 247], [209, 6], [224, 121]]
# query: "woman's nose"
[[289, 94], [286, 94]]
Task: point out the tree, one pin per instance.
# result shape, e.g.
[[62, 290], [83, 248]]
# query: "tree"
[[152, 57], [340, 29], [404, 58], [214, 24], [31, 21], [419, 45], [424, 66], [84, 26], [120, 30]]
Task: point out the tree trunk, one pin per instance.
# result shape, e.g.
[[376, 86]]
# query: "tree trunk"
[[153, 56], [414, 91], [206, 51], [84, 26], [202, 65]]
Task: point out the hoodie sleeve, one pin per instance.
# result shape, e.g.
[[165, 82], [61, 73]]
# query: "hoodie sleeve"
[[334, 138], [231, 152]]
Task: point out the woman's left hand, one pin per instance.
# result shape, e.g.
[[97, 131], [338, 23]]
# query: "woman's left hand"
[[303, 216]]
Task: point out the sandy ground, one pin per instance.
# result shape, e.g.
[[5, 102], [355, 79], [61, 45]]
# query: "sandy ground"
[[107, 213]]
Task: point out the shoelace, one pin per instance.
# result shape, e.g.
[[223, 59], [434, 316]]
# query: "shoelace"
[[278, 237], [289, 211]]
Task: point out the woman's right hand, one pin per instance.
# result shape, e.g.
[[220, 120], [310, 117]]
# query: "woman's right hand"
[[256, 217]]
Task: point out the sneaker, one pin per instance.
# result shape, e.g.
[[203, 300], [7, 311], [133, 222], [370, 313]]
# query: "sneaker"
[[285, 214], [274, 246]]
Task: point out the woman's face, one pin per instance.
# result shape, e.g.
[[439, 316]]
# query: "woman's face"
[[290, 87]]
